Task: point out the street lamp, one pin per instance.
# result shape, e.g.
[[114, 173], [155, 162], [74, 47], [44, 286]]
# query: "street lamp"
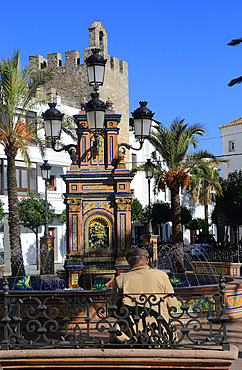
[[95, 69], [149, 167], [45, 171], [142, 120], [95, 109], [52, 122]]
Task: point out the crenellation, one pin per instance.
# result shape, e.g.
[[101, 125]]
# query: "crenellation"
[[71, 58], [123, 67], [114, 64], [38, 61], [54, 60]]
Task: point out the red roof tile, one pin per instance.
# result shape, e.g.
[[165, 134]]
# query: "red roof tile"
[[237, 121]]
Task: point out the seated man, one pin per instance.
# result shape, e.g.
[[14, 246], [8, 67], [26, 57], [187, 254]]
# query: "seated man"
[[148, 316]]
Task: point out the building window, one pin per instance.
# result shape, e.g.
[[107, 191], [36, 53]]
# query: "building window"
[[231, 145], [32, 179], [31, 117], [134, 160], [26, 178], [51, 183]]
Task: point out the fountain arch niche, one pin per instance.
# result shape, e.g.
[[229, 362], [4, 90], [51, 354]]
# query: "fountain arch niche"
[[98, 204], [99, 253]]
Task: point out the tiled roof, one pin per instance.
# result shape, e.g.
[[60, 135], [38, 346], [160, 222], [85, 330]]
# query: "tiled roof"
[[237, 121]]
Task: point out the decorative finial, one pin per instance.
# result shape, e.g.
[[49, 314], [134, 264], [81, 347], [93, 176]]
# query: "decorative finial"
[[83, 104], [109, 104]]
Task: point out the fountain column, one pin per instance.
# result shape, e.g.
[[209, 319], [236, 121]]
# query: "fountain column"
[[98, 200], [150, 242]]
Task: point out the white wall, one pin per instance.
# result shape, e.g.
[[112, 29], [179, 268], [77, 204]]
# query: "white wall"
[[232, 133]]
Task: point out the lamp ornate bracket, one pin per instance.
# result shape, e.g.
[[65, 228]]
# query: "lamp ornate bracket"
[[71, 149], [128, 146]]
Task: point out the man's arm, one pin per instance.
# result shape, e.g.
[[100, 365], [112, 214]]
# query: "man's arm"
[[170, 301], [116, 292]]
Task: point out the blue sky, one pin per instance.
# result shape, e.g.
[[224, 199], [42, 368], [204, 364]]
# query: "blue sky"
[[177, 50]]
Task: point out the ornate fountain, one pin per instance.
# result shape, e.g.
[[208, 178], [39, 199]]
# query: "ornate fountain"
[[98, 201]]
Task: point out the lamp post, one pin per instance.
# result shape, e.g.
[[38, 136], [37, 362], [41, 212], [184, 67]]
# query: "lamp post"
[[149, 174], [45, 171]]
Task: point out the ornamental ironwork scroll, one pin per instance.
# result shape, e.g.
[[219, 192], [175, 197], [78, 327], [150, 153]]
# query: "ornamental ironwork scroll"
[[88, 319]]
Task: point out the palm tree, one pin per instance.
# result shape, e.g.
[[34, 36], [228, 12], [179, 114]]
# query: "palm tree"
[[172, 165], [237, 80], [204, 183], [17, 97]]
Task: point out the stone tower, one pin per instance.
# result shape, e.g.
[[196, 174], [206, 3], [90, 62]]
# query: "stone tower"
[[71, 81]]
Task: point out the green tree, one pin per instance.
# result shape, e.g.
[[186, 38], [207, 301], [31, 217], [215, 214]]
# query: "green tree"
[[63, 216], [137, 212], [237, 80], [32, 215], [18, 95], [2, 213], [205, 182], [197, 224], [161, 212], [228, 208], [186, 215]]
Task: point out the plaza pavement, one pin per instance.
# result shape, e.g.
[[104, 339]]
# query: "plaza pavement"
[[234, 329]]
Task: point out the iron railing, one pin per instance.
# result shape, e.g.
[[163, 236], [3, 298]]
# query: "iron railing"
[[78, 319]]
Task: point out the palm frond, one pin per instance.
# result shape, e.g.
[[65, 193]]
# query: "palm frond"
[[38, 79], [173, 142], [17, 97], [235, 42], [204, 178], [235, 81]]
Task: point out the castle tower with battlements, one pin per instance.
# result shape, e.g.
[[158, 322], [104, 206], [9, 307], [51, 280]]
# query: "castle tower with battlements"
[[71, 81]]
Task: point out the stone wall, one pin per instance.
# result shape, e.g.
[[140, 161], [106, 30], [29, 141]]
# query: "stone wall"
[[71, 81]]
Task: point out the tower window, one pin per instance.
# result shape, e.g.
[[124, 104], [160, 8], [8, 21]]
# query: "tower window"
[[231, 145], [101, 40], [121, 67], [111, 63], [60, 63], [43, 65]]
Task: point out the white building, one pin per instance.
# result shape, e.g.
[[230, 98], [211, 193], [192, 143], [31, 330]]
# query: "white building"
[[232, 151], [232, 146]]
